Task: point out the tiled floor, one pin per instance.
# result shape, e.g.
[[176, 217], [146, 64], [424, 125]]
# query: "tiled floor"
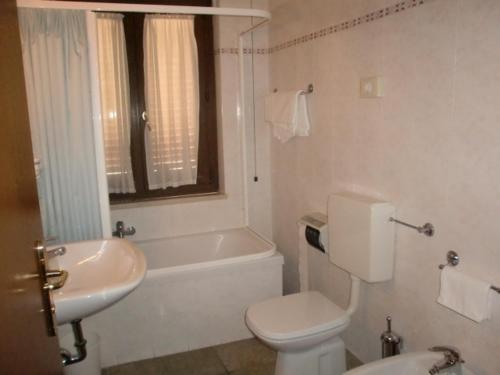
[[246, 357]]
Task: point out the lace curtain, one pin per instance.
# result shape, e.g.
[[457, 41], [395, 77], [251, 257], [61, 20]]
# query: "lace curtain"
[[115, 101], [172, 100]]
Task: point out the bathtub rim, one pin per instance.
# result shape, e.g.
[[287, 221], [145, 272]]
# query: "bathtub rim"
[[157, 272]]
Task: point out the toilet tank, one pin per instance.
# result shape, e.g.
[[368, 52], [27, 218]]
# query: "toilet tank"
[[361, 235]]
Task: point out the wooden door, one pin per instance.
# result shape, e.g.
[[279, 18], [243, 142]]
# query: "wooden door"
[[25, 347]]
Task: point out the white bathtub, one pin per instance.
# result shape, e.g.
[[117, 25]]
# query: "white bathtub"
[[195, 294], [204, 250]]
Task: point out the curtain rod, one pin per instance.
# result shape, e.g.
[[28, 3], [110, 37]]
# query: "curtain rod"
[[143, 8]]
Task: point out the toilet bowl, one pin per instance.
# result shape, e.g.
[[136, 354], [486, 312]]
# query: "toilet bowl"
[[304, 329]]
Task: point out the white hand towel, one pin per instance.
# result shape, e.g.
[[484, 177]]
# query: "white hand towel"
[[466, 295], [287, 112]]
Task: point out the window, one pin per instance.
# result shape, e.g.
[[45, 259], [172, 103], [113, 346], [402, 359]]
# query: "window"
[[170, 149]]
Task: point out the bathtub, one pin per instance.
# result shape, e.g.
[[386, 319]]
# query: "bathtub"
[[204, 250], [194, 295]]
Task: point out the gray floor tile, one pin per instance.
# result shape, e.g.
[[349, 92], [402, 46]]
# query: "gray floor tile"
[[196, 362], [255, 370], [246, 357], [151, 366], [245, 354], [351, 360]]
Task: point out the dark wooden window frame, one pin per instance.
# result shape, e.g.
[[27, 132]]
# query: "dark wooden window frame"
[[208, 174]]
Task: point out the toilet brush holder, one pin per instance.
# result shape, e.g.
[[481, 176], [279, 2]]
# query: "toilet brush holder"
[[391, 342]]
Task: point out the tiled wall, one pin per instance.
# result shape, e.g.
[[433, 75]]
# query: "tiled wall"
[[431, 146], [185, 215]]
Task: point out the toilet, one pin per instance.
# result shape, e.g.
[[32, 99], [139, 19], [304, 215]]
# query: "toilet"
[[304, 327]]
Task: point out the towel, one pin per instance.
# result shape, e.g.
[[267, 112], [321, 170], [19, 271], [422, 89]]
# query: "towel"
[[287, 113], [466, 295]]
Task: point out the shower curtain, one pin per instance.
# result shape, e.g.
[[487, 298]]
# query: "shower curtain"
[[56, 66]]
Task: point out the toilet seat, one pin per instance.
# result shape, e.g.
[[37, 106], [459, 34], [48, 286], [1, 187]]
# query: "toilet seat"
[[295, 316]]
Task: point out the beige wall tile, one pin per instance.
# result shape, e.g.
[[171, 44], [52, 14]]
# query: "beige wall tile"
[[431, 146]]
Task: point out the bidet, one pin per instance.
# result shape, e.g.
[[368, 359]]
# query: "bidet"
[[416, 363]]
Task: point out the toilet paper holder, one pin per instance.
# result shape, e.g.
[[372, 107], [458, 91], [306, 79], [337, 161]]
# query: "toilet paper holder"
[[453, 259], [316, 230]]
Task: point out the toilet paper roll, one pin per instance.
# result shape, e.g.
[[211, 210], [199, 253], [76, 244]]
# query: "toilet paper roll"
[[313, 237]]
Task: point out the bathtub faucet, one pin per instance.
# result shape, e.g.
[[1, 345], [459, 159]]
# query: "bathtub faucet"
[[451, 358], [121, 231]]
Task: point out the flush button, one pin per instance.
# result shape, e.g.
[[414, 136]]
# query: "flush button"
[[371, 87]]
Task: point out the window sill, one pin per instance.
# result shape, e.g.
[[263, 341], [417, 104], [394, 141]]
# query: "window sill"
[[183, 199]]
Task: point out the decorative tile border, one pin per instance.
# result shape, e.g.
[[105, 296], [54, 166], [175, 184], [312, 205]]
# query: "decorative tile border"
[[332, 29], [246, 51], [367, 18]]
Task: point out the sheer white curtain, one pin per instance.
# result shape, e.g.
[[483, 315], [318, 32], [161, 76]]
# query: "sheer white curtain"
[[56, 67], [172, 100], [115, 101]]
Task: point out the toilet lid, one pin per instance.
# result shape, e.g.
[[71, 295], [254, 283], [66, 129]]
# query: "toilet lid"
[[295, 315]]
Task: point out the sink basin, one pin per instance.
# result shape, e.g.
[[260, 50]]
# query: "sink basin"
[[100, 273], [414, 363]]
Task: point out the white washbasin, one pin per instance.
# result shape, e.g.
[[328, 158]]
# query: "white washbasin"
[[100, 273], [414, 363]]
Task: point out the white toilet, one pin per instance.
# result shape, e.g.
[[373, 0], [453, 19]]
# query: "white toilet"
[[304, 327]]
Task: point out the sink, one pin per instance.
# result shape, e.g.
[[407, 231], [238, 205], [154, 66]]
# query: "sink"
[[100, 273], [414, 363]]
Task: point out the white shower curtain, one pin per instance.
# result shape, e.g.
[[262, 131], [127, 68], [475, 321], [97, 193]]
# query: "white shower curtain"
[[56, 67], [115, 101], [172, 100]]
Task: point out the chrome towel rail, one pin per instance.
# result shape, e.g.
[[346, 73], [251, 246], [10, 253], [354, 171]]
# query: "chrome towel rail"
[[309, 90], [427, 228], [453, 260]]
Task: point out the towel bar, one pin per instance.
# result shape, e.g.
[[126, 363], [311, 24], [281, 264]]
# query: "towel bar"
[[453, 259], [427, 228], [309, 90]]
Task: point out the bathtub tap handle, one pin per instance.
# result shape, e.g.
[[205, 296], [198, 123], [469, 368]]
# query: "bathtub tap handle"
[[121, 231]]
